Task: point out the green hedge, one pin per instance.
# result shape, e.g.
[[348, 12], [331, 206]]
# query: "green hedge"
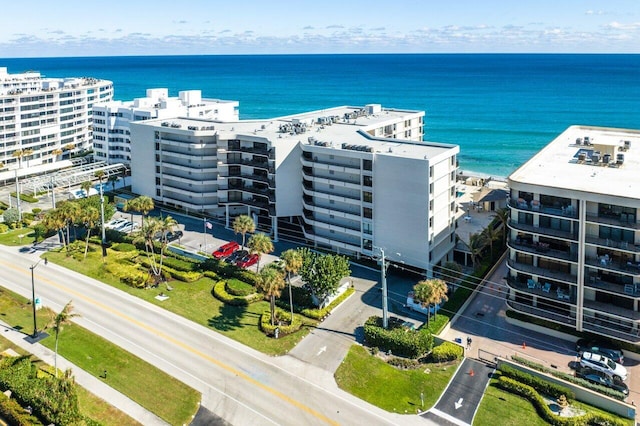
[[283, 330], [528, 392], [569, 378], [397, 339], [539, 384], [123, 247], [239, 288], [53, 400], [320, 314], [13, 413], [228, 270], [404, 363], [301, 299], [185, 276], [25, 197], [220, 292], [446, 351]]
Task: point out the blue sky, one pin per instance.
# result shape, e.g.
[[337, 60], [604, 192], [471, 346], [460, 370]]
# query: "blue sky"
[[140, 27]]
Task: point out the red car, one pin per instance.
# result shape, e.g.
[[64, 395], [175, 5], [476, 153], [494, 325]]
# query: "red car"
[[226, 250], [252, 259]]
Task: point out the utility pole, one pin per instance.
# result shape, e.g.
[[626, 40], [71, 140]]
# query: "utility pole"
[[53, 193], [383, 278], [34, 336], [18, 197]]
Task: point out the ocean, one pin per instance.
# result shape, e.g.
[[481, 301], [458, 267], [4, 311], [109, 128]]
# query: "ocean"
[[500, 108]]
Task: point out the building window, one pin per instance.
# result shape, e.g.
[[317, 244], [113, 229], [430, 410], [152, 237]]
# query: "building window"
[[367, 197], [431, 188], [367, 181], [367, 228], [367, 244], [158, 192], [157, 181], [430, 205], [431, 222], [367, 213], [431, 171], [367, 164]]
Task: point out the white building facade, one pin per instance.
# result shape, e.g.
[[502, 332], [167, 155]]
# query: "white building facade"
[[45, 120], [574, 235], [111, 134], [355, 179]]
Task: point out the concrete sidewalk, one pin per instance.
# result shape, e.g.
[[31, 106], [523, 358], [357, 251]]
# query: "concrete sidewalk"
[[96, 386]]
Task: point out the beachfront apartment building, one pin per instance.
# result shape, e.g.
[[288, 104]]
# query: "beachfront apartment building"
[[574, 234], [354, 179], [45, 120], [111, 136]]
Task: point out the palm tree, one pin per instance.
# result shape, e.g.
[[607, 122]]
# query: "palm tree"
[[90, 216], [242, 225], [70, 212], [113, 179], [18, 154], [146, 235], [503, 217], [53, 219], [452, 271], [271, 282], [57, 322], [490, 235], [292, 263], [166, 225], [475, 245], [430, 292], [260, 244], [86, 185], [100, 175], [131, 206], [144, 205]]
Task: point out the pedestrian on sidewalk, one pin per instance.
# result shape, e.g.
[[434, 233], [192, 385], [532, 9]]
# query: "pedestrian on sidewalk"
[[468, 343], [105, 374]]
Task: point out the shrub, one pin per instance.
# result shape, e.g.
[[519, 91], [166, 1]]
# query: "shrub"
[[3, 228], [404, 363], [181, 264], [397, 339], [36, 210], [319, 314], [221, 294], [540, 384], [135, 279], [446, 351], [13, 413], [123, 247], [239, 288], [27, 217], [283, 330]]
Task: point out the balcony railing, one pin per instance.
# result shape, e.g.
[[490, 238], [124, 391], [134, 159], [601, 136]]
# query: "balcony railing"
[[612, 309], [542, 272], [542, 231], [545, 290], [628, 268], [606, 242], [543, 250], [543, 313], [310, 205], [629, 290], [567, 211], [612, 220]]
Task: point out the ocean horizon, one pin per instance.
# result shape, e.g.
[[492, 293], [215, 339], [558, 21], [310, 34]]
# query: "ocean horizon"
[[500, 108]]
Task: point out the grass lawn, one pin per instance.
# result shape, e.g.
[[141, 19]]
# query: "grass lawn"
[[502, 408], [12, 237], [499, 407], [373, 380], [194, 301], [139, 380]]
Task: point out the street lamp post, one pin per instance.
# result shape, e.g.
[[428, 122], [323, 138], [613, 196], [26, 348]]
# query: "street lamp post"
[[34, 336], [383, 278]]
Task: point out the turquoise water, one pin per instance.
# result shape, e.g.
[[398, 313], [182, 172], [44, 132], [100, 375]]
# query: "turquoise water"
[[500, 108]]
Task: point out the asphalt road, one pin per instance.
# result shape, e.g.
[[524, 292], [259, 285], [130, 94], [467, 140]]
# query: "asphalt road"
[[462, 397], [240, 385]]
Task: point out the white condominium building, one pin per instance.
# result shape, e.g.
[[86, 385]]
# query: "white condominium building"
[[43, 120], [355, 179], [574, 235], [111, 137]]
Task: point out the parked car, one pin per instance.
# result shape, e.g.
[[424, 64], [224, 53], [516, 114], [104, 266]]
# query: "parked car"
[[173, 235], [600, 378], [601, 348], [226, 250], [129, 227], [247, 261], [114, 223], [604, 364], [122, 225], [237, 255]]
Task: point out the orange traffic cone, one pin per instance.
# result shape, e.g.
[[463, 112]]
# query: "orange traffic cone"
[[471, 373], [524, 345]]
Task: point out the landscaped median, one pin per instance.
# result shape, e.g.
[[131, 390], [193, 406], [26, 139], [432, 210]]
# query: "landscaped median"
[[135, 378]]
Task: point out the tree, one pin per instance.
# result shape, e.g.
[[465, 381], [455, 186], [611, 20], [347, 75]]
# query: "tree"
[[144, 205], [146, 235], [490, 235], [54, 220], [244, 224], [70, 213], [113, 179], [57, 322], [452, 271], [11, 215], [322, 273], [475, 245], [89, 217], [503, 217], [271, 282], [260, 244], [131, 206], [430, 292], [86, 186], [292, 263]]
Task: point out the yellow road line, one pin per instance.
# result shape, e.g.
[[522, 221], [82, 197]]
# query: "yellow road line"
[[187, 347]]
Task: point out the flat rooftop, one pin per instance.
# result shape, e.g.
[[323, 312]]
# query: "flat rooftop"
[[331, 127], [596, 160]]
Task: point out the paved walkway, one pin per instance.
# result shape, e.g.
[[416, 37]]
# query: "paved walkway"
[[96, 386]]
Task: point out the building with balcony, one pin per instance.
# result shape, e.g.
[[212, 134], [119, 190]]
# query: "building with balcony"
[[574, 235], [353, 178], [45, 120], [111, 135]]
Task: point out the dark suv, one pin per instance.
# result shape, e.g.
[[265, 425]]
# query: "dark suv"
[[601, 348], [600, 378]]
